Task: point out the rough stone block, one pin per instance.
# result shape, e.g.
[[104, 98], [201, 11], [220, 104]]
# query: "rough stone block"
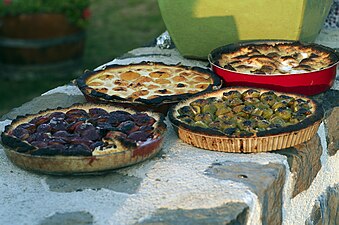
[[332, 131], [266, 181], [326, 209], [229, 214], [304, 162], [315, 216]]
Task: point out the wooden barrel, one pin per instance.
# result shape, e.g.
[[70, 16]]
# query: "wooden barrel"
[[35, 39]]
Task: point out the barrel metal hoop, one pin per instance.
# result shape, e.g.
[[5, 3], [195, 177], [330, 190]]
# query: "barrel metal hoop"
[[41, 43]]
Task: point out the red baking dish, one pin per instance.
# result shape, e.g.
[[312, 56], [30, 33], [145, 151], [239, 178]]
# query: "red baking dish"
[[306, 83]]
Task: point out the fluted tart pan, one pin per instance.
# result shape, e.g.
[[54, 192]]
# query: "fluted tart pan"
[[246, 120]]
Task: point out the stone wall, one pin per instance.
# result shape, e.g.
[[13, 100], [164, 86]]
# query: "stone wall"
[[185, 185]]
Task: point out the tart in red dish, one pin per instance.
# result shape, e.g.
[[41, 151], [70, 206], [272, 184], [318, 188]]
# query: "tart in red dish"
[[83, 138], [246, 120], [286, 66], [276, 58], [146, 85]]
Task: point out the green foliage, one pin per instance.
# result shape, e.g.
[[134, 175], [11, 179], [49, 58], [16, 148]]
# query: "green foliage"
[[75, 10]]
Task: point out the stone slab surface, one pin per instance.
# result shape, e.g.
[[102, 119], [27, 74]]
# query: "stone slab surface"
[[177, 181]]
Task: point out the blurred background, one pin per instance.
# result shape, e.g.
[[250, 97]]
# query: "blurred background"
[[113, 28]]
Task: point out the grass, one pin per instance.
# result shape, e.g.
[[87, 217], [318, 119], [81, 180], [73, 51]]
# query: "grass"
[[115, 28]]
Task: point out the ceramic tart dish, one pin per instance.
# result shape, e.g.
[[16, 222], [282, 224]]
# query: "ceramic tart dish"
[[246, 120], [287, 66], [84, 138], [146, 85]]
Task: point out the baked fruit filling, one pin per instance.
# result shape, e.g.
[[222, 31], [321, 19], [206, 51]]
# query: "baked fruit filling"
[[279, 58], [83, 132], [146, 81], [243, 114]]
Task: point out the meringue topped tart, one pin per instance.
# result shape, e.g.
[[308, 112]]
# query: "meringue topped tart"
[[147, 82]]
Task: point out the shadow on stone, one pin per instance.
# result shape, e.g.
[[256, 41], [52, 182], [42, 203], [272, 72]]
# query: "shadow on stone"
[[113, 181], [71, 218]]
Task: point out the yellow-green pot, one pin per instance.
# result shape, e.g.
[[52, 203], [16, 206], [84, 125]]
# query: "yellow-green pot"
[[198, 26]]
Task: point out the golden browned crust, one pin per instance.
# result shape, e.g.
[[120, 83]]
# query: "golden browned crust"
[[276, 58], [147, 83]]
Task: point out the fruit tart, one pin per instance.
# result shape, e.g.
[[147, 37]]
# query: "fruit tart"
[[83, 138], [147, 85], [276, 58], [246, 120], [280, 65]]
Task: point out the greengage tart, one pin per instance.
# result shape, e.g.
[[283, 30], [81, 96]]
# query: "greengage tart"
[[246, 120], [147, 85], [83, 138]]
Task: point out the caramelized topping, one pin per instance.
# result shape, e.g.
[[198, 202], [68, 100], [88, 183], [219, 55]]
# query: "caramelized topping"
[[130, 82], [280, 58]]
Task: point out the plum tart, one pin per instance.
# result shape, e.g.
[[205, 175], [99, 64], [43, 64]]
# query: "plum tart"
[[276, 58], [146, 84], [246, 120], [83, 138]]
